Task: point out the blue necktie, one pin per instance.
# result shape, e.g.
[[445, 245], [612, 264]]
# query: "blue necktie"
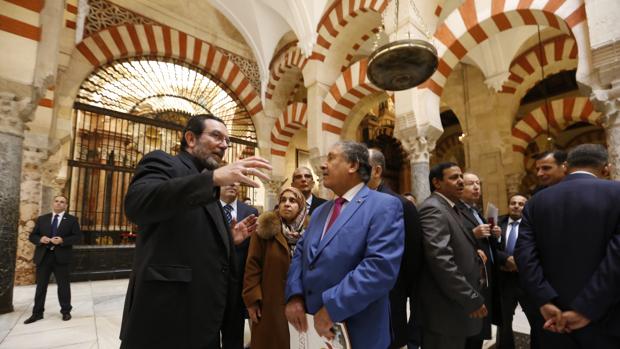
[[228, 213], [55, 226], [512, 239]]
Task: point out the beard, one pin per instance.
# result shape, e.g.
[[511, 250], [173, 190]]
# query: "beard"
[[210, 160]]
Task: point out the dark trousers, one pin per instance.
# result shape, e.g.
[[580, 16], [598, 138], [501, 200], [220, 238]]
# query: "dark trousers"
[[234, 325], [588, 337], [45, 269], [512, 294]]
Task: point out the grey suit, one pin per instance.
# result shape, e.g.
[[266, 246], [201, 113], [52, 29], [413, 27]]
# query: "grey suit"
[[450, 280]]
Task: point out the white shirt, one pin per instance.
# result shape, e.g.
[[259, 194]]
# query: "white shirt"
[[515, 229], [60, 215], [233, 204], [450, 202], [348, 196], [309, 202], [584, 172]]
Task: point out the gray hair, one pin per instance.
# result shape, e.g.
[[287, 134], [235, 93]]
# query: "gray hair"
[[355, 152], [376, 158], [587, 155]]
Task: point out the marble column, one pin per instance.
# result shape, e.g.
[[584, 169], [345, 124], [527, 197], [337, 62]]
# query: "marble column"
[[419, 148], [272, 189], [14, 112], [608, 103]]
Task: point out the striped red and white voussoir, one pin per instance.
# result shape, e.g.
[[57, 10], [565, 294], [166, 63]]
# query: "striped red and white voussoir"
[[292, 58], [134, 40], [561, 113], [288, 124], [560, 53], [350, 87], [477, 20]]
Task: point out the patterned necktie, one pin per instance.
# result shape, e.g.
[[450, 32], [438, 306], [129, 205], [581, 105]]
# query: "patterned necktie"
[[228, 212], [55, 226], [511, 241], [335, 213]]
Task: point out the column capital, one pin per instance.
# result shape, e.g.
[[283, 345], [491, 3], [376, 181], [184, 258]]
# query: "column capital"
[[608, 103], [417, 146], [274, 185]]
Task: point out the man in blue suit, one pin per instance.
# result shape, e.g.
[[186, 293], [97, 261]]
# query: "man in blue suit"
[[568, 254], [348, 259]]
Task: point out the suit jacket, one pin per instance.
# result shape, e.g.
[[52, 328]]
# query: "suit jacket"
[[449, 288], [410, 268], [316, 202], [184, 267], [491, 293], [501, 254], [353, 268], [68, 230], [241, 250], [568, 249]]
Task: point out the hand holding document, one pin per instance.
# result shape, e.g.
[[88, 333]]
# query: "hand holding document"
[[311, 339]]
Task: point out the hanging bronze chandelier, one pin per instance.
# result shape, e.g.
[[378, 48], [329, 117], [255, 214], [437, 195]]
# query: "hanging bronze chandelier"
[[403, 64]]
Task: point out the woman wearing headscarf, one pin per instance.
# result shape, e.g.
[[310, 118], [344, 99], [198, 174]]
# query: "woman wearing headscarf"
[[269, 257]]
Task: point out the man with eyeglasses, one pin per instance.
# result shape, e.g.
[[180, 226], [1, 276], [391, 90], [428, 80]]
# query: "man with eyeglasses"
[[303, 179], [183, 282]]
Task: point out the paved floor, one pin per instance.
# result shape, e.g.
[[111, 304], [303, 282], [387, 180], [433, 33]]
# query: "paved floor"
[[97, 312]]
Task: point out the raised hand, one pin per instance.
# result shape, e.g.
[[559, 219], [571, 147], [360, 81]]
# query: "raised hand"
[[242, 230], [240, 171]]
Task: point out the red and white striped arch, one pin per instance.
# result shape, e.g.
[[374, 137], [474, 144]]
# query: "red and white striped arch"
[[356, 47], [134, 40], [477, 20], [285, 70], [560, 53], [351, 87], [336, 18], [561, 113], [288, 124]]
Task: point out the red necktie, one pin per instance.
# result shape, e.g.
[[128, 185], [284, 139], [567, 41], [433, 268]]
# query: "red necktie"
[[335, 213]]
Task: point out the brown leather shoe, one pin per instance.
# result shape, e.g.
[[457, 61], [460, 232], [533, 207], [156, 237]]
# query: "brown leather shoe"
[[66, 317], [33, 318]]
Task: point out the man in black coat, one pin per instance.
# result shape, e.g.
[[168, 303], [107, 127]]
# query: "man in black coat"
[[236, 211], [303, 179], [54, 235], [486, 236], [510, 290], [568, 254], [183, 281], [404, 332]]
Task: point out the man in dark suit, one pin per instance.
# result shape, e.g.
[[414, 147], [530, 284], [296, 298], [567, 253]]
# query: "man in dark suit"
[[404, 332], [54, 235], [511, 293], [303, 179], [568, 254], [236, 211], [449, 301], [486, 236], [183, 283], [347, 261]]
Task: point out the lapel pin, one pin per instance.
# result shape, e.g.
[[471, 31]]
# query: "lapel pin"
[[359, 201]]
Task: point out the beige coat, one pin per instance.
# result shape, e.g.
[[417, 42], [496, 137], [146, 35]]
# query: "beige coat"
[[264, 282]]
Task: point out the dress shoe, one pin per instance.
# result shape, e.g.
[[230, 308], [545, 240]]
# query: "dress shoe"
[[33, 318], [66, 317]]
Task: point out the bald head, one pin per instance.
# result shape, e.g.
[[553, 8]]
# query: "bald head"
[[303, 179]]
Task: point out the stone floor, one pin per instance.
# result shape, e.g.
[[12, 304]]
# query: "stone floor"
[[97, 312]]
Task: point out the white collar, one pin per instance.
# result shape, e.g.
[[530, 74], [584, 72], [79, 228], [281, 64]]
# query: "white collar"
[[450, 202], [510, 220], [584, 172], [232, 204], [350, 194]]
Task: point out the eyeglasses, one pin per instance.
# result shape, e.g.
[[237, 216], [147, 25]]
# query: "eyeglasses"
[[219, 137]]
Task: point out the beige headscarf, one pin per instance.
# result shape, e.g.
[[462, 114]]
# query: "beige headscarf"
[[295, 230]]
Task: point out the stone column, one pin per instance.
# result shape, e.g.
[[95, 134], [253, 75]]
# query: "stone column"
[[608, 103], [31, 195], [272, 189], [14, 112], [419, 148]]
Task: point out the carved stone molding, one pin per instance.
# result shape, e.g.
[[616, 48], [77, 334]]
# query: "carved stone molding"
[[13, 114], [103, 14], [608, 103], [418, 148]]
